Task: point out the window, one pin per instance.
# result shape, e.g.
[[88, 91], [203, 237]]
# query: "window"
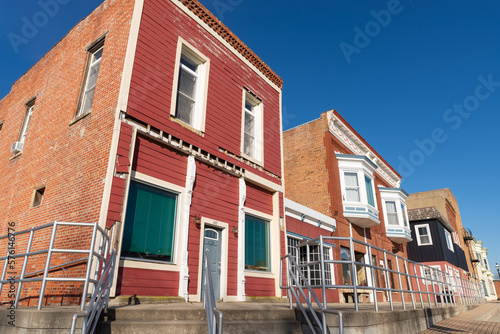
[[391, 274], [346, 267], [1, 124], [423, 234], [252, 127], [90, 81], [38, 197], [190, 86], [352, 187], [315, 270], [449, 241], [19, 144], [486, 264], [256, 244], [392, 214], [432, 274], [369, 191], [405, 220], [150, 223], [375, 271]]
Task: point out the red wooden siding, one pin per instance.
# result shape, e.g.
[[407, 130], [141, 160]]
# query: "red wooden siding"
[[147, 282], [259, 287], [215, 196], [153, 76], [115, 201], [125, 140], [159, 161], [259, 199]]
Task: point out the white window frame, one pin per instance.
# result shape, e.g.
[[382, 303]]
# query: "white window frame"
[[91, 63], [417, 234], [258, 114], [154, 264], [449, 240], [397, 196], [199, 112], [363, 194], [432, 274], [397, 213], [26, 121]]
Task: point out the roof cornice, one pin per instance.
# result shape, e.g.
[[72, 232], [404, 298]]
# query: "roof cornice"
[[213, 22]]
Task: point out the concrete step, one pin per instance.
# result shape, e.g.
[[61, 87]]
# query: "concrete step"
[[180, 313], [198, 327]]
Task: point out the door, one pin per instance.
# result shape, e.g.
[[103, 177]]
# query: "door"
[[212, 242]]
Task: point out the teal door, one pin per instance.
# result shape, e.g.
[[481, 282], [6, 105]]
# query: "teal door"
[[212, 242]]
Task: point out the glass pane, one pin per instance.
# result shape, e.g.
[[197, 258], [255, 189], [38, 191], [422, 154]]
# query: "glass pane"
[[249, 123], [256, 244], [92, 76], [346, 268], [187, 83], [189, 63], [248, 106], [352, 195], [422, 231], [403, 210], [392, 215], [87, 101], [351, 179], [98, 55], [185, 107], [150, 222], [248, 145], [424, 239], [369, 191]]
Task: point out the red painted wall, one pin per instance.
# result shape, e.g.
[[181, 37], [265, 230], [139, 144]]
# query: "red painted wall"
[[259, 199], [153, 77], [258, 286], [147, 282]]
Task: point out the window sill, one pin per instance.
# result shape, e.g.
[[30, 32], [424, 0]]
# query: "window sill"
[[187, 126], [82, 116], [257, 273], [252, 159], [18, 154]]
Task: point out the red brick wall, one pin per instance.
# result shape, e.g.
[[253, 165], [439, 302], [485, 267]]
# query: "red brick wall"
[[69, 159]]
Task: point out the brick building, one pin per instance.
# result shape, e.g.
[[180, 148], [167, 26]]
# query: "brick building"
[[331, 169], [153, 119]]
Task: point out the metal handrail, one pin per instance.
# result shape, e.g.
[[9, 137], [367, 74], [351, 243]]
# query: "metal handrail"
[[449, 287], [92, 257], [214, 326], [99, 298], [293, 281]]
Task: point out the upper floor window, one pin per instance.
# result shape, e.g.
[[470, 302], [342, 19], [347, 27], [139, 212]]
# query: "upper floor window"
[[252, 127], [190, 88], [357, 179], [394, 200], [423, 234], [19, 144], [392, 214], [449, 241], [90, 81]]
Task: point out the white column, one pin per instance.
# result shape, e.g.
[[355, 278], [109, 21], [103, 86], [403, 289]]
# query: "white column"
[[184, 274], [241, 237]]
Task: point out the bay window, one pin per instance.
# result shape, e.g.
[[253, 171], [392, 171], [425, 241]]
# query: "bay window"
[[395, 214]]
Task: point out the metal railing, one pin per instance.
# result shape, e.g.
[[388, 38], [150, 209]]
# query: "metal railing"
[[296, 280], [407, 279], [99, 298], [94, 257], [214, 321]]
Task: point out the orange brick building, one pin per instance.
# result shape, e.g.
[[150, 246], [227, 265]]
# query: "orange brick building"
[[330, 168]]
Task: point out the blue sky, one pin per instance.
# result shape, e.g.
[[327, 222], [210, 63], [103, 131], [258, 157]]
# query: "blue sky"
[[419, 80]]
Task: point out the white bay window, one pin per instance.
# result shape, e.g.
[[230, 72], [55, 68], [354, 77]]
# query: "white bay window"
[[395, 214]]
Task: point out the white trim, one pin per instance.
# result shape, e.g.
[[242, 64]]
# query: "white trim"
[[262, 182], [208, 222], [199, 113], [184, 275], [130, 56], [258, 114], [309, 216], [417, 234], [342, 132], [224, 42], [181, 198], [449, 240], [241, 245]]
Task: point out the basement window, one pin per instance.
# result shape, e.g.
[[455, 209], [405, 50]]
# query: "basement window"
[[38, 197]]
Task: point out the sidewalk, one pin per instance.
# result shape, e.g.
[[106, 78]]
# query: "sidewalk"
[[484, 319]]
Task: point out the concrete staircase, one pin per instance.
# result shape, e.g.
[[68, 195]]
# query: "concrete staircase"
[[190, 318]]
